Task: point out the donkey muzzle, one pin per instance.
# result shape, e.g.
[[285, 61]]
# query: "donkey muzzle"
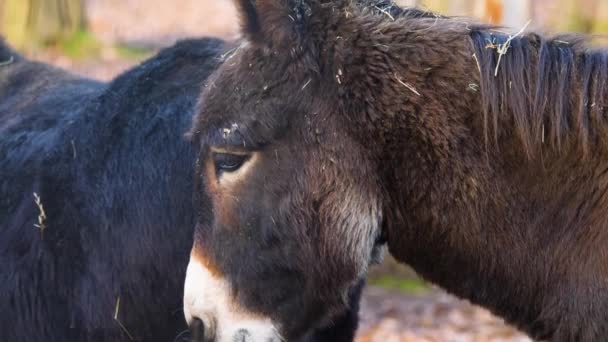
[[214, 316]]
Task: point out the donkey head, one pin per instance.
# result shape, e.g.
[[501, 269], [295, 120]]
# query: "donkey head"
[[293, 184]]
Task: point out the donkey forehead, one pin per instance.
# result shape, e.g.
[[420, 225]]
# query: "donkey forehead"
[[259, 97], [240, 126], [232, 120]]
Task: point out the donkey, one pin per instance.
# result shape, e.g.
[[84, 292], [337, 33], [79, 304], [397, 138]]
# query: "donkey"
[[478, 156], [96, 209]]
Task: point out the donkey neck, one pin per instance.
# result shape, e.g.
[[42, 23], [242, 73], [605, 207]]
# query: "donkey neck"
[[514, 236], [488, 225]]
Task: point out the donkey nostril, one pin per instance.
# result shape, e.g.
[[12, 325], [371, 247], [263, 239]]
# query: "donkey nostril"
[[197, 329], [242, 335]]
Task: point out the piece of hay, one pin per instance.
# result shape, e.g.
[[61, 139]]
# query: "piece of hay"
[[407, 85], [503, 48], [307, 83], [385, 12], [41, 214], [118, 321], [477, 61], [9, 61]]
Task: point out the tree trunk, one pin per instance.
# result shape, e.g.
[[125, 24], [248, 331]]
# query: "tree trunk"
[[30, 23]]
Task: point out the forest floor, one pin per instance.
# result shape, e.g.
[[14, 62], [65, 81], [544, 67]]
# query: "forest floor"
[[396, 306]]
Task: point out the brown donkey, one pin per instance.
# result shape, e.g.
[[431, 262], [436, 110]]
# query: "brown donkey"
[[478, 156]]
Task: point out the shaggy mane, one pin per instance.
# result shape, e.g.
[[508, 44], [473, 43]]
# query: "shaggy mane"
[[548, 90], [389, 9], [551, 88]]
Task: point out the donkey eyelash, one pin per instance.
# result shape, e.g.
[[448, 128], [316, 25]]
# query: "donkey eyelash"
[[228, 162]]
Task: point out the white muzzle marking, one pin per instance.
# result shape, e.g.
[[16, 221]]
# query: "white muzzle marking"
[[208, 298]]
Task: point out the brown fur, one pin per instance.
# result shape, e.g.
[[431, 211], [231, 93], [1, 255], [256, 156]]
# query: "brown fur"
[[493, 187]]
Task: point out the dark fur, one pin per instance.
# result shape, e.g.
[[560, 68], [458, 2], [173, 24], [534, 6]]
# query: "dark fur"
[[115, 178], [493, 187]]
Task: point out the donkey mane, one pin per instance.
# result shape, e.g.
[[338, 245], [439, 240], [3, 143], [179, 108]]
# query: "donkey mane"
[[550, 91], [389, 9], [519, 77]]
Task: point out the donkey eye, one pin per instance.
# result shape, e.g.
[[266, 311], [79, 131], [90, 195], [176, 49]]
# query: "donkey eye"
[[227, 162]]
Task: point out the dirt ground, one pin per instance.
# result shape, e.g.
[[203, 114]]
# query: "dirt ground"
[[389, 316], [386, 315]]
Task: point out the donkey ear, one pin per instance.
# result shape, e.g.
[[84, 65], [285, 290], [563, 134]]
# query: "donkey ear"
[[274, 23]]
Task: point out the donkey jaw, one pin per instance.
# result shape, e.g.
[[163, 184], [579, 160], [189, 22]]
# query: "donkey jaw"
[[207, 298]]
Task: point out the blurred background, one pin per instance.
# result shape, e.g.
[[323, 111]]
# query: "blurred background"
[[101, 38], [79, 34]]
